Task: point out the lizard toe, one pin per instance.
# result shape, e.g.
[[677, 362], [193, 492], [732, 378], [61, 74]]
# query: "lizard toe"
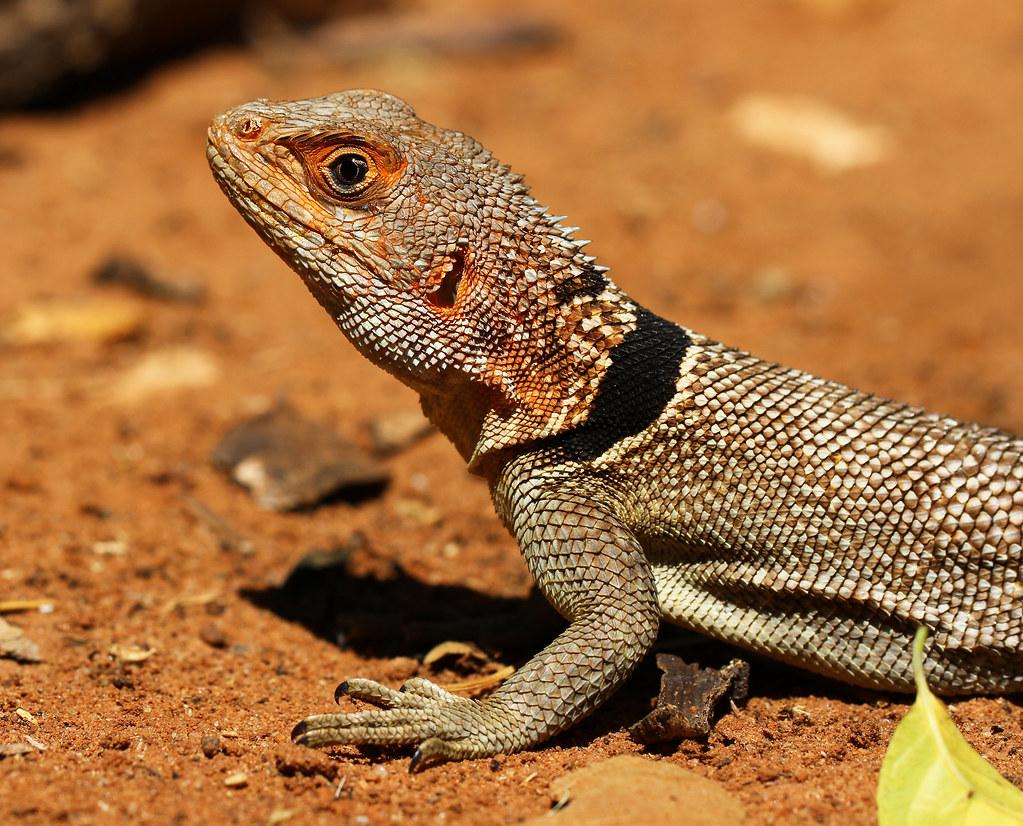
[[370, 691], [420, 712], [423, 688]]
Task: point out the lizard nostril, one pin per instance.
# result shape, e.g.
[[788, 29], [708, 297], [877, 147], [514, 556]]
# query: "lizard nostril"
[[247, 127]]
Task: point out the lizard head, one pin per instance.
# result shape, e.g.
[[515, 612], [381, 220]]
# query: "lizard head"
[[429, 254]]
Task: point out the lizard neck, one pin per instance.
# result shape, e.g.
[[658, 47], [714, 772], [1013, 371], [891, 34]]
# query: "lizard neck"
[[606, 373], [458, 413]]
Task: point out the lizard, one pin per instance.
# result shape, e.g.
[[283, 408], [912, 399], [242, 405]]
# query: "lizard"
[[648, 472]]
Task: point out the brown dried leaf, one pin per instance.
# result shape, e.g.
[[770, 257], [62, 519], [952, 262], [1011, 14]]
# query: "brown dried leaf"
[[486, 681], [688, 699], [289, 462], [452, 648]]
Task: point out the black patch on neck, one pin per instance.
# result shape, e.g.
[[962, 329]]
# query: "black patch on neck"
[[588, 282], [634, 392]]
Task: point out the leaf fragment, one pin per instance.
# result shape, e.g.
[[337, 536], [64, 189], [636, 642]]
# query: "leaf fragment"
[[93, 320], [14, 750], [689, 699], [931, 775], [454, 648], [486, 681], [16, 646]]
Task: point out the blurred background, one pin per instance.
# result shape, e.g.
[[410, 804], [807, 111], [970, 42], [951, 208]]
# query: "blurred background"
[[833, 184]]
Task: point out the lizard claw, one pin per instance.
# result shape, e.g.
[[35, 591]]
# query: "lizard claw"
[[442, 725], [298, 733], [414, 764], [340, 691], [433, 751]]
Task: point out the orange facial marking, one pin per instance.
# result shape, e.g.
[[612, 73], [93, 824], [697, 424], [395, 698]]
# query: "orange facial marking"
[[385, 165]]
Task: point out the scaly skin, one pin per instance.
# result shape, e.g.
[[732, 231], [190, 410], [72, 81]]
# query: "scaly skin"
[[646, 471]]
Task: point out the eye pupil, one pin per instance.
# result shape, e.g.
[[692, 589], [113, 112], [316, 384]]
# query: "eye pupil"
[[349, 169]]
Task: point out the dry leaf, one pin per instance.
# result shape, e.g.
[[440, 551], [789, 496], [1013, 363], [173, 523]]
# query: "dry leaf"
[[164, 371], [452, 648], [16, 646], [288, 461], [96, 320], [689, 698], [486, 681], [27, 717], [810, 129]]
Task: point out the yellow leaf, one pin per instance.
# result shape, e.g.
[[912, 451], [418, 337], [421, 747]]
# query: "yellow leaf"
[[932, 777]]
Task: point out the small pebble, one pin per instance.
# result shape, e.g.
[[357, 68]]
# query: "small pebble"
[[213, 636], [210, 745], [236, 780]]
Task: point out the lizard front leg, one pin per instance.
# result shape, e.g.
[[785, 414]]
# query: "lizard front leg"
[[593, 570]]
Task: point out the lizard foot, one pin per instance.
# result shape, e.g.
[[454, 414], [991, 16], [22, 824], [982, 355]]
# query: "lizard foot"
[[442, 725]]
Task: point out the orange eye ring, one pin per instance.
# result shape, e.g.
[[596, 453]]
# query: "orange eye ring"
[[350, 168]]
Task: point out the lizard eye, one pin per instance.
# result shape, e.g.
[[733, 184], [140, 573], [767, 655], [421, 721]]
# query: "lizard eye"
[[351, 169], [350, 172]]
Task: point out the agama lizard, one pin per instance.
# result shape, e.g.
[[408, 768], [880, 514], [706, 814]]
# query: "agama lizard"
[[646, 471]]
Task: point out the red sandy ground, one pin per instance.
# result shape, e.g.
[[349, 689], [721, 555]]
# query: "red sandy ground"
[[902, 278]]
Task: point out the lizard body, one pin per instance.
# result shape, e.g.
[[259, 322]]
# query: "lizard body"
[[646, 471]]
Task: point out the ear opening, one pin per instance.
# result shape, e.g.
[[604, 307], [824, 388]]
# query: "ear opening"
[[445, 296]]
